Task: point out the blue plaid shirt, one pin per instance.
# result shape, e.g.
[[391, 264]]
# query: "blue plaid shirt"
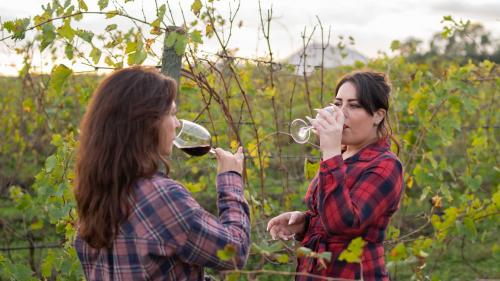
[[169, 236]]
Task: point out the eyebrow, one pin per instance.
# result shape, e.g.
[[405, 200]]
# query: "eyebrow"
[[347, 100]]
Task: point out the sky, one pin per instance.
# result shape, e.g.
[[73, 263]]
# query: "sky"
[[372, 24]]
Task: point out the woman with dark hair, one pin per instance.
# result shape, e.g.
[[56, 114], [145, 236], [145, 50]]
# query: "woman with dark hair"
[[134, 222], [356, 190]]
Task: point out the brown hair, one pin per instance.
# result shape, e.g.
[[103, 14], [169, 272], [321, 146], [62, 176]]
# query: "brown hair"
[[119, 143], [373, 90]]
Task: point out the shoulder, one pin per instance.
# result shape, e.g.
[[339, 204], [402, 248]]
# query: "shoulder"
[[160, 187], [164, 198], [386, 164]]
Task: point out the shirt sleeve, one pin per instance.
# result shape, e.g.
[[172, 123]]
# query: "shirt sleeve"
[[376, 191], [206, 234]]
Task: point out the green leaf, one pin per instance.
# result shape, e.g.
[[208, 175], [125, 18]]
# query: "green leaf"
[[137, 57], [180, 45], [50, 163], [37, 225], [398, 253], [85, 35], [171, 38], [112, 14], [209, 30], [353, 252], [57, 140], [194, 187], [283, 258], [233, 276], [196, 7], [303, 252], [469, 224], [66, 30], [109, 61], [48, 35], [161, 11], [269, 92], [131, 47], [17, 27], [102, 4], [395, 45], [95, 54], [227, 253], [48, 264], [58, 76], [196, 36], [310, 169], [496, 198], [68, 50], [111, 27], [82, 5]]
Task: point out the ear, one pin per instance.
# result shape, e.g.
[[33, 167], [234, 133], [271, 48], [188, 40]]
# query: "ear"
[[378, 116]]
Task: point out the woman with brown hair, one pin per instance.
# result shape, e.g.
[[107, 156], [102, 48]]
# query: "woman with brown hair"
[[357, 189], [136, 223]]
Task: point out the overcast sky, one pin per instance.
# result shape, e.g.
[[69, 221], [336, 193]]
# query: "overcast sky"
[[373, 24]]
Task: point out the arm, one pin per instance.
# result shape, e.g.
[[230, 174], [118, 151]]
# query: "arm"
[[376, 191], [207, 234]]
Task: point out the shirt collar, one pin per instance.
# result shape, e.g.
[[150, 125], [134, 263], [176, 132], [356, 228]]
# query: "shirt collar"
[[371, 151]]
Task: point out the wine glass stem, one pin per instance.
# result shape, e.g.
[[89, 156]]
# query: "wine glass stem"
[[307, 128]]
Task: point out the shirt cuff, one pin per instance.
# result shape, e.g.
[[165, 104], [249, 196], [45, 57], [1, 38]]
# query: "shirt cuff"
[[330, 164], [230, 181], [301, 236]]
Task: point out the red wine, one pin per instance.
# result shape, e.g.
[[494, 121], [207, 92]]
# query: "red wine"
[[196, 150]]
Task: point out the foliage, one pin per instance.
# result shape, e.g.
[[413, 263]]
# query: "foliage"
[[444, 113]]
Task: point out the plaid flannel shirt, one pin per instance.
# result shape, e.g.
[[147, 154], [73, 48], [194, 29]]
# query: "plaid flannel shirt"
[[350, 198], [169, 236]]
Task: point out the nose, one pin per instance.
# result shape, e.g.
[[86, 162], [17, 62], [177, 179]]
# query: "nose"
[[177, 123], [345, 110]]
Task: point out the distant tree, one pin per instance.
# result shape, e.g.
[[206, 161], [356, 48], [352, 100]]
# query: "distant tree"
[[462, 42]]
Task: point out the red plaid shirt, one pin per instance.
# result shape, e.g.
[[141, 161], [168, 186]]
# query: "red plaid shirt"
[[350, 198], [168, 235]]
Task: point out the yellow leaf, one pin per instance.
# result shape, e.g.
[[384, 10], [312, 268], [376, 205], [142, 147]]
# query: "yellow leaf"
[[209, 30], [409, 182], [234, 145]]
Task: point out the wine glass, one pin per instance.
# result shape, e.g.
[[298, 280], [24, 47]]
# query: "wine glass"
[[193, 139], [300, 130]]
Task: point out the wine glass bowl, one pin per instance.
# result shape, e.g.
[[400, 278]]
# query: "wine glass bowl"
[[300, 131], [193, 139]]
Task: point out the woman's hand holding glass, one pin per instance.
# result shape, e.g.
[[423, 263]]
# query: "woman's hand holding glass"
[[328, 126], [226, 161], [287, 225]]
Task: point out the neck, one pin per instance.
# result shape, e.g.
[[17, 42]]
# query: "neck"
[[355, 148]]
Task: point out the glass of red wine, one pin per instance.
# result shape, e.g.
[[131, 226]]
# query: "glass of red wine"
[[193, 139]]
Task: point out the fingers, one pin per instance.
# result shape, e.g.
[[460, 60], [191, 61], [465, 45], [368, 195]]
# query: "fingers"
[[339, 114], [218, 152], [270, 224], [239, 153], [326, 115], [293, 218], [319, 124], [280, 232]]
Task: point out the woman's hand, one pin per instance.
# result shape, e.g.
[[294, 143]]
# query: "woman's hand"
[[286, 225], [226, 161], [329, 126]]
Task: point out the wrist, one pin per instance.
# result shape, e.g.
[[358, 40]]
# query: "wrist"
[[329, 153]]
